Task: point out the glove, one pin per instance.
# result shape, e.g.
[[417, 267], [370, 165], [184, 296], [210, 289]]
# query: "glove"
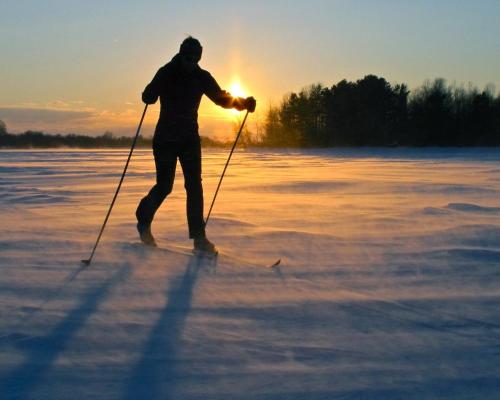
[[250, 104], [149, 99], [239, 103], [149, 96]]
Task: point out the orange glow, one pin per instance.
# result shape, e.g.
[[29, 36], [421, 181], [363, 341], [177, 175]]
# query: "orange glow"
[[236, 91], [219, 122]]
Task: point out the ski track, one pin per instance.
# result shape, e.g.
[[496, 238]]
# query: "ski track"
[[389, 286]]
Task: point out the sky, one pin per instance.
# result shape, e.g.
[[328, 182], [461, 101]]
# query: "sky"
[[80, 66]]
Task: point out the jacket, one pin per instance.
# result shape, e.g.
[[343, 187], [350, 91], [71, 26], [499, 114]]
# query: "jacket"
[[180, 95]]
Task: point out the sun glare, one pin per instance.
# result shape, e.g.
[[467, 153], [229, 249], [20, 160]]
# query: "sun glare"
[[236, 91]]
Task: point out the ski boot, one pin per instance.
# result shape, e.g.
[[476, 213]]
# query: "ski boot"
[[145, 234], [204, 246]]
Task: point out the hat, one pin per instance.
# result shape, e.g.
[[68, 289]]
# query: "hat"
[[192, 46]]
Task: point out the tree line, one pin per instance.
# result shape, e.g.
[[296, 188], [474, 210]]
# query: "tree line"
[[372, 112], [368, 112], [34, 139]]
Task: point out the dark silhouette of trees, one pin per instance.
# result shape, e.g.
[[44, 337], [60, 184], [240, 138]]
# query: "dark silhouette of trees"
[[368, 112], [431, 113], [3, 128], [372, 112], [300, 120], [445, 115], [33, 139], [275, 134]]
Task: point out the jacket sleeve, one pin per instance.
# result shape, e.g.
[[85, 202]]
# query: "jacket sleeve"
[[152, 90], [219, 96]]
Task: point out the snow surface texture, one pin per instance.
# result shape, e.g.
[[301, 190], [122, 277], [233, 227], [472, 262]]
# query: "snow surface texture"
[[389, 286]]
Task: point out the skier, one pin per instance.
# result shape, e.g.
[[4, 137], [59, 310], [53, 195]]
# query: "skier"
[[180, 84]]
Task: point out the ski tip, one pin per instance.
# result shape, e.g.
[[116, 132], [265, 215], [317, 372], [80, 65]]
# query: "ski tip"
[[278, 262]]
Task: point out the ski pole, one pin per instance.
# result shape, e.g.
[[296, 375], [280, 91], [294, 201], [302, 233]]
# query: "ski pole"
[[225, 167], [89, 260]]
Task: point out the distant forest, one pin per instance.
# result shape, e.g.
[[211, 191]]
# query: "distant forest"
[[32, 139], [372, 112], [368, 112]]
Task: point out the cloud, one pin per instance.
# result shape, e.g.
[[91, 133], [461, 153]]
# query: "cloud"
[[63, 119], [23, 115]]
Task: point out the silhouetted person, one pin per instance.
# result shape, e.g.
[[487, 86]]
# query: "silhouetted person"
[[180, 84]]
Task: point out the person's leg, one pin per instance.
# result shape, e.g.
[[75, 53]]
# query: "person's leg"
[[165, 162], [190, 159]]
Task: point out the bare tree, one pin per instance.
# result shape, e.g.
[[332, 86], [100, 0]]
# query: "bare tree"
[[3, 128]]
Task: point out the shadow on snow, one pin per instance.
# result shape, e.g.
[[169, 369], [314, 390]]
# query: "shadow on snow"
[[154, 375], [42, 352]]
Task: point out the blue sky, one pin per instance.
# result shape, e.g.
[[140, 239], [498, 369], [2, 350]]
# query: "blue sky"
[[74, 66]]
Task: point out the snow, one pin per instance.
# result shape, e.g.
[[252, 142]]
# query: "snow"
[[389, 286]]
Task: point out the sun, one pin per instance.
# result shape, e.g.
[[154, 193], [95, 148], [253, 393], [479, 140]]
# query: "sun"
[[236, 91]]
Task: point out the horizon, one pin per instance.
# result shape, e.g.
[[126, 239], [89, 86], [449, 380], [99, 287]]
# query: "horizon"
[[80, 68]]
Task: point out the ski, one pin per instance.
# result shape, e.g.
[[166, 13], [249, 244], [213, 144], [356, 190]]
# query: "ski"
[[240, 260], [185, 250], [189, 252]]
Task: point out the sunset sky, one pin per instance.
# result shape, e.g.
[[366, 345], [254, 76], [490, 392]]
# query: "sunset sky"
[[80, 66]]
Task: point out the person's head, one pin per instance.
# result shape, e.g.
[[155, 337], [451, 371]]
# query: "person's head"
[[190, 52]]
